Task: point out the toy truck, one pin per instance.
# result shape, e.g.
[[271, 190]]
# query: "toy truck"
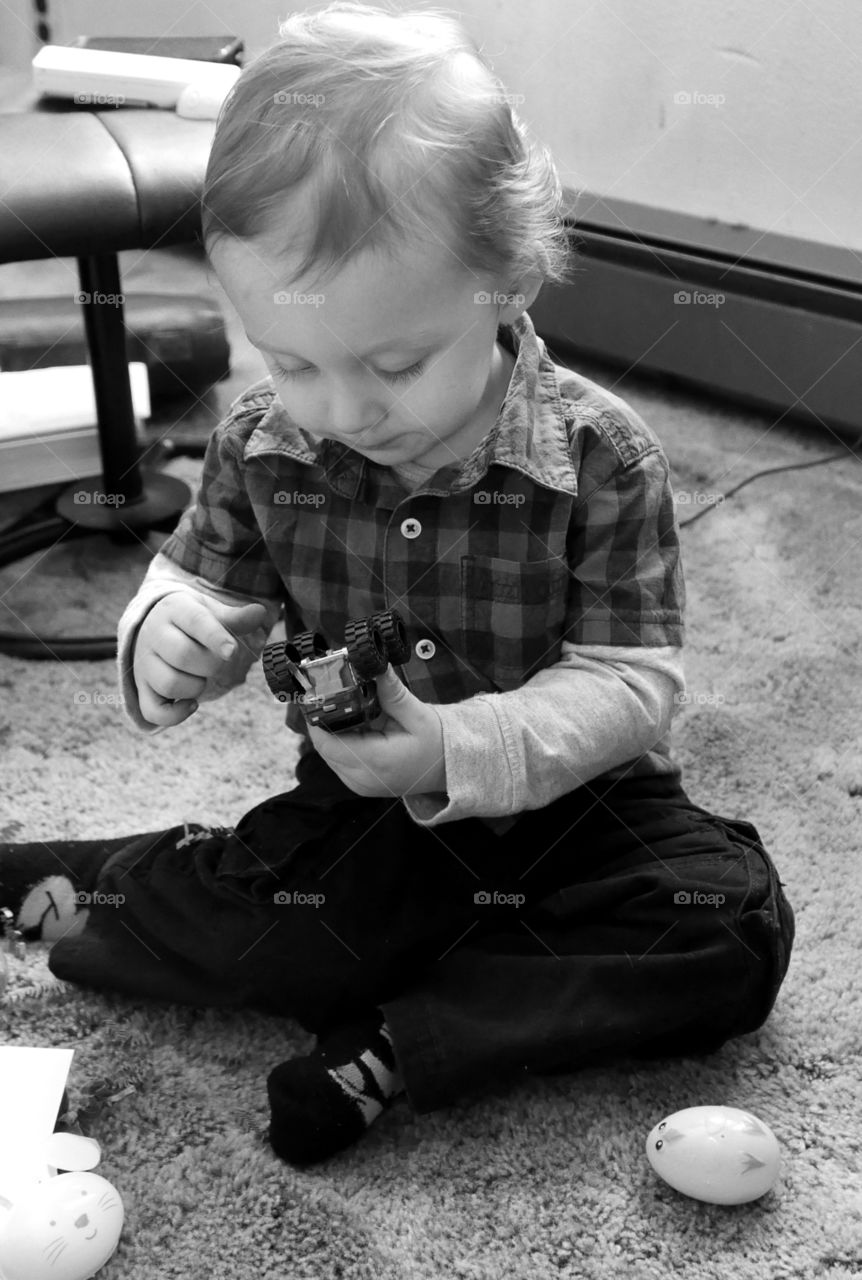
[[335, 687]]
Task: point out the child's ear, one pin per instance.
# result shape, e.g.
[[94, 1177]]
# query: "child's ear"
[[524, 291]]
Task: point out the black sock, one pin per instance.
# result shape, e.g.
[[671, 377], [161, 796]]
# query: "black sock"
[[40, 881], [325, 1102]]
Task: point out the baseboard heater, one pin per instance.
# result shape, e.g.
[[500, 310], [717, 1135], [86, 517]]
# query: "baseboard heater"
[[765, 319]]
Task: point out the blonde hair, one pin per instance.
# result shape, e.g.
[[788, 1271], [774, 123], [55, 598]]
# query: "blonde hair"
[[395, 128]]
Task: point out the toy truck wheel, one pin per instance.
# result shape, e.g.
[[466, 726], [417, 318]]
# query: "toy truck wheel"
[[394, 633], [311, 644], [276, 659], [365, 648]]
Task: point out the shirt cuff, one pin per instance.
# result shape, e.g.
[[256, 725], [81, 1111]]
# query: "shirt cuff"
[[595, 709], [476, 748]]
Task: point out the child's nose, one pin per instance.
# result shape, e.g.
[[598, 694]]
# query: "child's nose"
[[351, 416]]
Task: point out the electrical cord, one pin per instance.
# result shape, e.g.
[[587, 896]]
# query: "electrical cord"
[[769, 471]]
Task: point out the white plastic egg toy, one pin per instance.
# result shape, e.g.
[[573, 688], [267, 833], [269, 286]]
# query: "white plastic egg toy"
[[717, 1154], [65, 1228]]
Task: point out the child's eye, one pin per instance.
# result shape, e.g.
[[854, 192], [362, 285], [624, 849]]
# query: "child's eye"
[[405, 374], [401, 376], [287, 373]]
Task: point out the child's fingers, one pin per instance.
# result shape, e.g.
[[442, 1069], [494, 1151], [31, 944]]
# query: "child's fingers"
[[184, 653], [156, 710], [169, 684], [180, 644], [239, 619], [198, 621]]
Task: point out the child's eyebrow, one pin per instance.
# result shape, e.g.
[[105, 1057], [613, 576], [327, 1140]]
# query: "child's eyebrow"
[[423, 338]]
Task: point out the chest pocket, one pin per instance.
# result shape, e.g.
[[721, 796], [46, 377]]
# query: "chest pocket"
[[513, 615]]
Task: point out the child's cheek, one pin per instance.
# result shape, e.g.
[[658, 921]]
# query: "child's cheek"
[[448, 399]]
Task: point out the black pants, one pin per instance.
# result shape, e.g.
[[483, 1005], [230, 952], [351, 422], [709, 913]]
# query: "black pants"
[[619, 919]]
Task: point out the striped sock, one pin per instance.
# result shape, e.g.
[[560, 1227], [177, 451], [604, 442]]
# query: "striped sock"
[[325, 1102]]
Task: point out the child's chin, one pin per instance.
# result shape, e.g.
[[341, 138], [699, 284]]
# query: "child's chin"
[[397, 444]]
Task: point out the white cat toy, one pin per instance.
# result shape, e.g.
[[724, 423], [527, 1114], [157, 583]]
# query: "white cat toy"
[[59, 1226]]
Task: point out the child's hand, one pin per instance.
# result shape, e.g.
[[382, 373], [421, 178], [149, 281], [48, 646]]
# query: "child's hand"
[[399, 754], [184, 640]]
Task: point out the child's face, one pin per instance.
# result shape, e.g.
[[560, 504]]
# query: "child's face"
[[395, 359]]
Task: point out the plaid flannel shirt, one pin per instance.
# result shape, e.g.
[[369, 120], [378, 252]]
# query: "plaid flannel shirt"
[[560, 525]]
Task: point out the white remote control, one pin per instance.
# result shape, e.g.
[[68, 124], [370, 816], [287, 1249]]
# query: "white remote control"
[[101, 78]]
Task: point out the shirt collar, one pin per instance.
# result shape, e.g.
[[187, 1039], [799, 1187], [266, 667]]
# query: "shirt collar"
[[529, 433]]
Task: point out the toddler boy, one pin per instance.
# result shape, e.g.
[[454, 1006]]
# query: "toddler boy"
[[503, 874]]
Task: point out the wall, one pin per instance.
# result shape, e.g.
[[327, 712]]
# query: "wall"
[[770, 136]]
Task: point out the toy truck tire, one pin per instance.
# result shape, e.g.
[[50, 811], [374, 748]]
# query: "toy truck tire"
[[281, 680], [366, 651], [391, 627], [311, 644]]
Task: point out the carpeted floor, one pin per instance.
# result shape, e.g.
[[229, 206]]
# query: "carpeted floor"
[[548, 1179]]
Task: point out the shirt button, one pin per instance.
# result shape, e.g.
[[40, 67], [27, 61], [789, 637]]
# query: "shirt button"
[[426, 649], [411, 528]]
